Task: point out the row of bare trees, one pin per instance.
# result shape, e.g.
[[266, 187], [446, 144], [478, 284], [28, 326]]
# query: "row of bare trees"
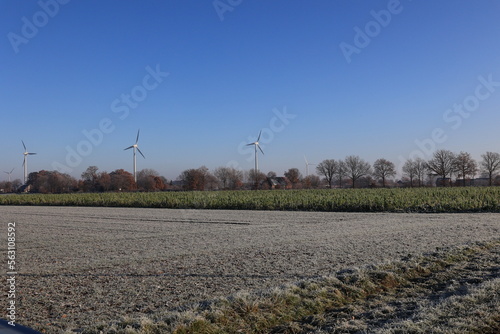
[[10, 186], [354, 168], [447, 164], [444, 163]]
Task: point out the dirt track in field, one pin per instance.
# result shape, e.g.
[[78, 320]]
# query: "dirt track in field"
[[79, 266]]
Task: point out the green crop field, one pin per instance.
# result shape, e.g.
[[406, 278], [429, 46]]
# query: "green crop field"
[[463, 199]]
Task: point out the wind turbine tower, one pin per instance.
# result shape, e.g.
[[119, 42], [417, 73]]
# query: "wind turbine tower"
[[25, 162], [256, 144], [136, 148], [307, 166], [9, 174]]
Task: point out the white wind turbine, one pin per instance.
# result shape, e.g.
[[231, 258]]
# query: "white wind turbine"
[[25, 162], [135, 147], [256, 144], [9, 173], [307, 166]]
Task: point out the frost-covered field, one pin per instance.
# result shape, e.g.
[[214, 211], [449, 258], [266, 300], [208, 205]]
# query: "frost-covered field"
[[81, 266]]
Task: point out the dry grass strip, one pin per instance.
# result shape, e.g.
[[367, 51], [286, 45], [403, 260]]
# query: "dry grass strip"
[[453, 290]]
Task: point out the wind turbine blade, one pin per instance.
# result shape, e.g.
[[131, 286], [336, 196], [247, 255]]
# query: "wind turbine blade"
[[260, 148], [31, 153], [141, 153], [251, 144], [11, 170], [259, 135], [137, 139], [24, 146], [128, 148], [306, 160]]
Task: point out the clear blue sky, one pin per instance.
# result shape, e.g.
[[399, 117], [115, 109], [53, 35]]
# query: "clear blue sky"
[[231, 69]]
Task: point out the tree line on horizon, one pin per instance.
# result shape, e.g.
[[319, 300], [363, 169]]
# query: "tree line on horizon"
[[444, 164], [350, 172]]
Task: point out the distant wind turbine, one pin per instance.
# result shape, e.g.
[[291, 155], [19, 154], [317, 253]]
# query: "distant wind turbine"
[[256, 144], [25, 162], [9, 173], [135, 147], [307, 166]]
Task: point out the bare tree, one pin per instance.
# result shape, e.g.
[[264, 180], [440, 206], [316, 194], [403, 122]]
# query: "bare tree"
[[490, 164], [271, 174], [235, 179], [229, 177], [415, 169], [223, 174], [356, 168], [211, 182], [256, 178], [103, 182], [293, 174], [90, 174], [383, 168], [410, 170], [465, 166], [148, 180], [16, 184], [311, 182], [442, 163], [10, 186], [341, 172], [327, 168], [193, 179], [420, 170], [89, 178]]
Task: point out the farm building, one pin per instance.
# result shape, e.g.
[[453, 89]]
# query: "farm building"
[[279, 182]]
